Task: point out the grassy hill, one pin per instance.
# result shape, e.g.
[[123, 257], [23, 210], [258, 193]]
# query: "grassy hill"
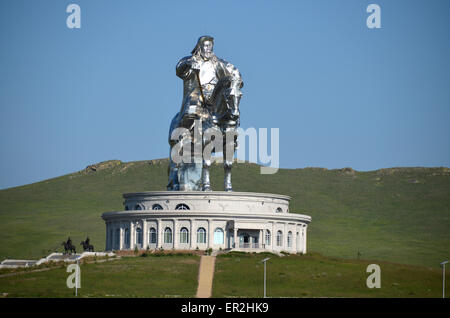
[[399, 215]]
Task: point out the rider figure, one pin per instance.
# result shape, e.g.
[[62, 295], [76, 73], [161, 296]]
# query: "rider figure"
[[204, 67]]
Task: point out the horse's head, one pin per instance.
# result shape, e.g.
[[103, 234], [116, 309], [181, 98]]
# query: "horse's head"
[[233, 97], [233, 107], [225, 102]]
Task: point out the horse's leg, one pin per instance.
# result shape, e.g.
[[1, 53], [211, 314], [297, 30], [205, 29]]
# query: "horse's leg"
[[205, 174], [205, 177], [229, 142], [227, 180], [173, 174], [212, 143]]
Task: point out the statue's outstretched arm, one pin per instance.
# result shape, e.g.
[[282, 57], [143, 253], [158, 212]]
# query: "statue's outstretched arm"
[[184, 68]]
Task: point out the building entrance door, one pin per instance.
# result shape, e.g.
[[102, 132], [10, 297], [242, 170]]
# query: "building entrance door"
[[244, 240]]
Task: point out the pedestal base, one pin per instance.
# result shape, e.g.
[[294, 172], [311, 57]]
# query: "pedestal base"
[[244, 221]]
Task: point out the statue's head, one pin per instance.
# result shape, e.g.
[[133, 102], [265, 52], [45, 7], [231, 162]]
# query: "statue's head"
[[204, 47]]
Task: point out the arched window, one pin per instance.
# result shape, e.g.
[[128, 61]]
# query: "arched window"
[[139, 236], [268, 238], [152, 236], [184, 236], [218, 236], [127, 238], [289, 239], [279, 210], [157, 206], [168, 235], [201, 235], [279, 238], [138, 207], [182, 206]]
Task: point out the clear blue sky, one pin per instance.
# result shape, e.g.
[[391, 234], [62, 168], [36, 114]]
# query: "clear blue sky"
[[342, 95]]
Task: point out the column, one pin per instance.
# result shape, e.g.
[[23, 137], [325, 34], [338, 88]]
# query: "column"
[[121, 231], [304, 239], [191, 234], [209, 233], [272, 236], [114, 244], [111, 234], [144, 234], [295, 238], [107, 237], [176, 238], [236, 243], [132, 235], [260, 239], [159, 236]]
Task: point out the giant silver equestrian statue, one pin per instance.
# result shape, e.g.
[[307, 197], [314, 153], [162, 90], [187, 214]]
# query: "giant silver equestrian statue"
[[211, 96]]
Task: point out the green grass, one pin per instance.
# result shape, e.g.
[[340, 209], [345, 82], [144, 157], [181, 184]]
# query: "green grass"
[[313, 275], [164, 276], [399, 215], [236, 275]]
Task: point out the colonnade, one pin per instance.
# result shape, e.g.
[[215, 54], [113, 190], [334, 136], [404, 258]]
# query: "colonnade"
[[122, 234]]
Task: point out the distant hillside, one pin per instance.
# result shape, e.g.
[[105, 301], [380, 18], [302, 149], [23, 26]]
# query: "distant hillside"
[[399, 214]]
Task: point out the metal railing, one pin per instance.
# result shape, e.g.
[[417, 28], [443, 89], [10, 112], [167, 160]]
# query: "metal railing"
[[248, 245]]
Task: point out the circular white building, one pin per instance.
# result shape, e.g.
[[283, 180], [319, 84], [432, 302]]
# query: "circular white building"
[[240, 221]]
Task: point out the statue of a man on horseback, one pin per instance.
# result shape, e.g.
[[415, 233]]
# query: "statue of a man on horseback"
[[87, 246], [69, 247], [211, 96]]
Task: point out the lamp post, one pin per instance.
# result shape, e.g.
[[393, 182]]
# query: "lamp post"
[[264, 261], [443, 278], [77, 276]]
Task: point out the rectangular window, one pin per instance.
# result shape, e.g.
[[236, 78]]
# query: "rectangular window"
[[267, 238], [184, 237], [201, 237], [168, 236], [218, 236], [152, 237], [279, 239]]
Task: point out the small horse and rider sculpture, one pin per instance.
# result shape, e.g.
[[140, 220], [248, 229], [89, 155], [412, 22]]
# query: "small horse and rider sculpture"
[[69, 248], [86, 246]]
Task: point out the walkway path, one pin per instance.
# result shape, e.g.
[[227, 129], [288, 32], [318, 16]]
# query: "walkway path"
[[56, 267], [205, 276]]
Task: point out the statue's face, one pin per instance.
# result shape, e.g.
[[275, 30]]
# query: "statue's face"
[[206, 49]]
